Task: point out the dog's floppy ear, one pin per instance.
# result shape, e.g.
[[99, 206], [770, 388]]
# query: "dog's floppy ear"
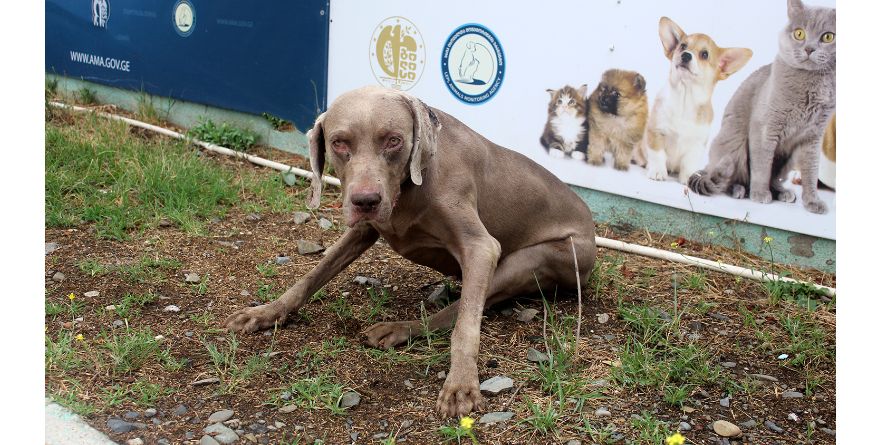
[[425, 127], [670, 34], [732, 59], [317, 143], [639, 83]]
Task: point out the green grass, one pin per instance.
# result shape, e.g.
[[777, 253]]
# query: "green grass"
[[98, 172], [801, 294], [650, 430], [542, 419], [131, 304], [143, 270], [60, 352], [86, 96], [131, 350], [224, 134], [231, 371], [276, 122], [70, 395], [266, 293], [313, 393], [267, 270], [377, 308]]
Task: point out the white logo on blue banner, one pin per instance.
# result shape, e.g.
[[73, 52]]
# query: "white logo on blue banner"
[[101, 10], [184, 18], [473, 64]]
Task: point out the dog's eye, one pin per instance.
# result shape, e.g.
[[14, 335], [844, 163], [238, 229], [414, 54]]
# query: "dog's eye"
[[704, 55], [682, 47], [394, 142], [339, 146], [800, 34], [827, 37], [617, 94]]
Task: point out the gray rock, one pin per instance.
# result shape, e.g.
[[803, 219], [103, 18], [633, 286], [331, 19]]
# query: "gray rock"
[[534, 355], [324, 224], [349, 399], [163, 441], [50, 247], [724, 402], [763, 377], [285, 395], [208, 440], [728, 364], [285, 409], [683, 426], [92, 294], [602, 318], [526, 315], [135, 441], [207, 381], [496, 384], [192, 278], [354, 436], [59, 277], [301, 217], [792, 395], [306, 247], [117, 323], [773, 427], [749, 424], [221, 433], [171, 308], [719, 316], [150, 412], [441, 375], [726, 429], [363, 281], [828, 431], [574, 442], [282, 260], [378, 436], [406, 424], [507, 312], [440, 295], [602, 412], [120, 426], [608, 337], [258, 428], [495, 417], [189, 435], [221, 416], [131, 415], [180, 410], [253, 217], [408, 383], [600, 382]]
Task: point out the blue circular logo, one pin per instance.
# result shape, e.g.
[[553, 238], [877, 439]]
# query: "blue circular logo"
[[184, 18], [473, 64]]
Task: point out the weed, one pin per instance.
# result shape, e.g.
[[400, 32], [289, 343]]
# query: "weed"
[[378, 300], [204, 319], [650, 430], [598, 435], [342, 308], [801, 294], [313, 393], [131, 304], [225, 135], [87, 96], [94, 268], [276, 122], [267, 270], [52, 308], [146, 394], [229, 370], [266, 292], [696, 281], [169, 362], [455, 433], [145, 108], [543, 420], [115, 395], [69, 395], [131, 350], [59, 353], [51, 86], [202, 287]]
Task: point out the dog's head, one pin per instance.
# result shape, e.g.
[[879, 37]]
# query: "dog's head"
[[695, 58], [619, 87], [376, 139]]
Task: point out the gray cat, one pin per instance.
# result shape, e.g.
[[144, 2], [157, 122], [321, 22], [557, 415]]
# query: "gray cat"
[[776, 119]]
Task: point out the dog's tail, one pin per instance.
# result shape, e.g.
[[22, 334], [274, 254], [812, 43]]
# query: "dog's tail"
[[714, 179]]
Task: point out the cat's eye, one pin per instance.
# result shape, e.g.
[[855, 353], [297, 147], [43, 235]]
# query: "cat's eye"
[[800, 34], [704, 55], [827, 37], [571, 101]]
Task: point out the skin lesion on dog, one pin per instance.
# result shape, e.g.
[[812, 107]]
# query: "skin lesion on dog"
[[405, 178]]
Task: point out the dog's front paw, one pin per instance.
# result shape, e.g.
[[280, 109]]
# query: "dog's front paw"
[[460, 394], [761, 196], [656, 173], [252, 319], [389, 334], [814, 204]]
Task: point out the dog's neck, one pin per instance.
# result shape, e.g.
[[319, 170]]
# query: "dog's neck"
[[685, 97]]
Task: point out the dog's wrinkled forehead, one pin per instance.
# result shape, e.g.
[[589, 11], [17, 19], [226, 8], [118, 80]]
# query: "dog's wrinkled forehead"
[[367, 111]]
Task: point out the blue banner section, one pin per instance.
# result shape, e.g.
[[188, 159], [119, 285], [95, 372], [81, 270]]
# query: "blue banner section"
[[255, 57]]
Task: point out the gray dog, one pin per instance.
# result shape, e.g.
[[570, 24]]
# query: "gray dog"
[[445, 197]]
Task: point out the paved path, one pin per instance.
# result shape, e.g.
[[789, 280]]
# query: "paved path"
[[66, 428]]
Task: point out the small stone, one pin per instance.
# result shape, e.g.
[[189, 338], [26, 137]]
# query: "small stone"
[[408, 383], [258, 428], [536, 356], [507, 312], [250, 437], [728, 364], [439, 296], [279, 424], [189, 333], [406, 424], [441, 375], [602, 318], [793, 417], [773, 427], [381, 435], [208, 440], [354, 436], [683, 426], [288, 409], [163, 441], [164, 223], [131, 415], [221, 416], [363, 281], [221, 433], [495, 417], [92, 294], [349, 399], [206, 381], [574, 442], [828, 431], [192, 278], [150, 412], [783, 357], [301, 217], [244, 293], [726, 429], [285, 395], [59, 277], [120, 426], [180, 410], [324, 224], [50, 247], [189, 435], [719, 316], [602, 412], [496, 384], [253, 217], [171, 308], [749, 424], [306, 247], [526, 315], [609, 337], [724, 402], [791, 395], [282, 260], [763, 377], [136, 441]]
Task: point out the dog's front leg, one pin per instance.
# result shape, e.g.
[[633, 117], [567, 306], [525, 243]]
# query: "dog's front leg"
[[348, 248], [478, 255]]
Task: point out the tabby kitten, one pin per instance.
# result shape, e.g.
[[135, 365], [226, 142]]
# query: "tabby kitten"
[[566, 132], [776, 119]]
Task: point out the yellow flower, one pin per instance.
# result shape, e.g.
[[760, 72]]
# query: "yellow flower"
[[79, 337], [71, 296], [675, 439], [767, 239], [674, 245], [466, 423]]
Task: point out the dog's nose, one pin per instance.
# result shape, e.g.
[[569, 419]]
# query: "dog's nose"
[[365, 202], [686, 57]]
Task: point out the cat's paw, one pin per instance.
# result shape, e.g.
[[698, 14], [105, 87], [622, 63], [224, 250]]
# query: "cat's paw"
[[738, 191], [786, 196], [762, 196], [577, 155], [556, 153], [815, 205]]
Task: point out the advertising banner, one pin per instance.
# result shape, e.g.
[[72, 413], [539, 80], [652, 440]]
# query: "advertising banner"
[[626, 97], [255, 57]]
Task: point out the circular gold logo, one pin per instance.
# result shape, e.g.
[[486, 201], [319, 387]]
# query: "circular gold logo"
[[397, 53]]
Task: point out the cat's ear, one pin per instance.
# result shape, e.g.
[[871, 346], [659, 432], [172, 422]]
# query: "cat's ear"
[[553, 93], [795, 8], [732, 59], [583, 90], [670, 34], [639, 83]]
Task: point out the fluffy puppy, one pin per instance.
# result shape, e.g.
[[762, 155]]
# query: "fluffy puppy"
[[617, 112]]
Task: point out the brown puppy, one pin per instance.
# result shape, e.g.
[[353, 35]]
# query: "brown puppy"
[[617, 112], [445, 197]]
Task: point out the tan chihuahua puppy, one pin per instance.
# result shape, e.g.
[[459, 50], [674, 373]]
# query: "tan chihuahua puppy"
[[677, 133]]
